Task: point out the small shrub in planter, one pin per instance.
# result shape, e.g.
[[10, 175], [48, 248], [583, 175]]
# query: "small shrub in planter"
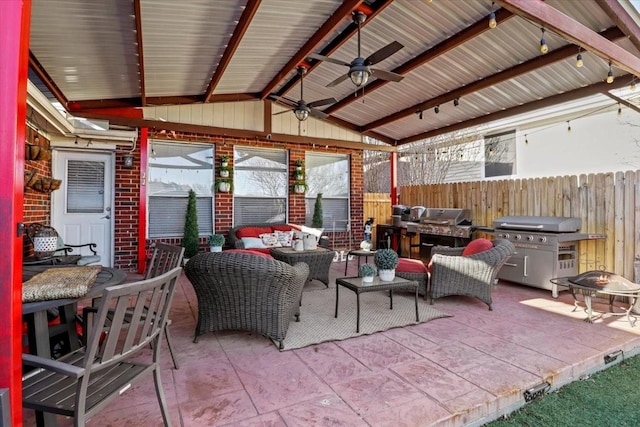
[[216, 241], [386, 259], [367, 272]]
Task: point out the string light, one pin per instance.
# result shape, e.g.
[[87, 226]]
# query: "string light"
[[568, 126], [632, 86], [610, 74], [579, 62], [526, 139], [543, 43], [437, 109], [456, 102], [492, 18], [619, 109], [419, 114]]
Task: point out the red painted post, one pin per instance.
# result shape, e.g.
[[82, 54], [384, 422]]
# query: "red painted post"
[[142, 203], [14, 61], [394, 178]]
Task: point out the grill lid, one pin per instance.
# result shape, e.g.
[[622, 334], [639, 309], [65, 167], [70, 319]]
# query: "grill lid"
[[554, 224], [447, 216]]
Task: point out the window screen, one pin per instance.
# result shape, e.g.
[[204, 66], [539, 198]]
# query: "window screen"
[[329, 174], [260, 185], [174, 169]]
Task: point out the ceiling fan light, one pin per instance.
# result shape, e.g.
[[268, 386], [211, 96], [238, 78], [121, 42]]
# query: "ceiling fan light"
[[359, 77], [302, 114]]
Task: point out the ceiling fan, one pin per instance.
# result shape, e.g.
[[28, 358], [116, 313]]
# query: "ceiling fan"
[[359, 69], [301, 109]]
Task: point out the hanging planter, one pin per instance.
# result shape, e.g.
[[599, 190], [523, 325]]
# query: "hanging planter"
[[299, 187], [299, 164], [225, 172], [224, 185], [224, 161]]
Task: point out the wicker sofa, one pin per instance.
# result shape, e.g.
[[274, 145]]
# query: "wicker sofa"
[[244, 291], [472, 275]]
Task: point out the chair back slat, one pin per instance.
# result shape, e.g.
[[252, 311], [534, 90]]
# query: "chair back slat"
[[164, 258], [129, 330]]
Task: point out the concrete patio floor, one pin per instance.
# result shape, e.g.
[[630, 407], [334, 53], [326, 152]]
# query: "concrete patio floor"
[[463, 370]]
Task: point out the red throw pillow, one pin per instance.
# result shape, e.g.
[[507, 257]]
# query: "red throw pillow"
[[281, 227], [477, 246], [406, 265], [252, 231], [263, 252]]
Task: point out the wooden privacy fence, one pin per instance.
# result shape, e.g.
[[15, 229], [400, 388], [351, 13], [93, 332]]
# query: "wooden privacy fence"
[[607, 203]]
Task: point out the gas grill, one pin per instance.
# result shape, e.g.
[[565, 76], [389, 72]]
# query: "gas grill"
[[438, 226], [546, 247]]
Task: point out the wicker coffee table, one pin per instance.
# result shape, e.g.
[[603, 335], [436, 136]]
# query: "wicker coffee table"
[[358, 286], [319, 261]]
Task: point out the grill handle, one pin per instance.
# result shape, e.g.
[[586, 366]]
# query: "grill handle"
[[524, 267], [523, 226]]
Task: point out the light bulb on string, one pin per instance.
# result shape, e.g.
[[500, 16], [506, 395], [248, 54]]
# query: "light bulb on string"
[[492, 18], [610, 74], [544, 48], [437, 109], [619, 109], [579, 62], [568, 126], [632, 86]]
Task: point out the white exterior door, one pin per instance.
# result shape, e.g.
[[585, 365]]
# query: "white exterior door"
[[82, 209]]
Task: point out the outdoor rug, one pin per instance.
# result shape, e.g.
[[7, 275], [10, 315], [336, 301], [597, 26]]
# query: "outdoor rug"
[[318, 324]]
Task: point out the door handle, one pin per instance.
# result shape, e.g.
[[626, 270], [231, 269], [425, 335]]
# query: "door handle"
[[106, 217]]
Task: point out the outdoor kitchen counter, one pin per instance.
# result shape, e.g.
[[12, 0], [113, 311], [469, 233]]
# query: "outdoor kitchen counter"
[[390, 236]]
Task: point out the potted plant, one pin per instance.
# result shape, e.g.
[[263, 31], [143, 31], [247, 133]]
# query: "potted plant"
[[190, 240], [298, 175], [224, 185], [367, 272], [224, 160], [317, 221], [225, 171], [216, 241], [386, 260], [299, 164], [299, 187]]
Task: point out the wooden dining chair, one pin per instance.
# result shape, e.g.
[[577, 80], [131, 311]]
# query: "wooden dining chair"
[[81, 383], [165, 257]]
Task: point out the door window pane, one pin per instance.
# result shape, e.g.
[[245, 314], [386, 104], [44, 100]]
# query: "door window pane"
[[85, 186]]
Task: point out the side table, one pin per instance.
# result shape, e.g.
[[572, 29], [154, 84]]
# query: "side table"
[[358, 253], [319, 261], [358, 286]]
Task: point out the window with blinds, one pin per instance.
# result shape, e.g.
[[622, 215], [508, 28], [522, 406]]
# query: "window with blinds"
[[330, 175], [85, 186], [174, 169], [260, 181]]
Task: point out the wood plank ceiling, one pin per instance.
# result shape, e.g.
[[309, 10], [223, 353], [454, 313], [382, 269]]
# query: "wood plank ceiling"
[[97, 56]]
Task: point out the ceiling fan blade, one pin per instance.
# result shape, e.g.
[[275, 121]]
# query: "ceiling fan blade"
[[318, 114], [383, 53], [322, 102], [327, 59], [281, 112], [386, 75], [338, 80], [287, 101]]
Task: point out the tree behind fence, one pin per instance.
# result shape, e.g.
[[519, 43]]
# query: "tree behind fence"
[[607, 203]]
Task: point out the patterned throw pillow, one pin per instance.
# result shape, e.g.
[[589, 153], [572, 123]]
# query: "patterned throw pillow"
[[270, 240], [284, 237]]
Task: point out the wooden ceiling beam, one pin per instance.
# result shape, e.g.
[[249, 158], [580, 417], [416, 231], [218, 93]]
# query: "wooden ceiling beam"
[[572, 95], [551, 19], [510, 73], [44, 77], [243, 24], [138, 19], [620, 15], [376, 7], [430, 54], [327, 28], [79, 106]]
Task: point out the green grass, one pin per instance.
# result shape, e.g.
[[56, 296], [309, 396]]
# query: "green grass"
[[607, 398]]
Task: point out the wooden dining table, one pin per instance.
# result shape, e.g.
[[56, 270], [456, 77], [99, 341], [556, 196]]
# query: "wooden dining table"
[[35, 313]]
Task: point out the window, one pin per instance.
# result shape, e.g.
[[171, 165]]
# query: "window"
[[500, 154], [260, 182], [329, 174], [174, 169]]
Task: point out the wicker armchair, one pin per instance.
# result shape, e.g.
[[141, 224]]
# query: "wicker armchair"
[[248, 292], [472, 275]]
